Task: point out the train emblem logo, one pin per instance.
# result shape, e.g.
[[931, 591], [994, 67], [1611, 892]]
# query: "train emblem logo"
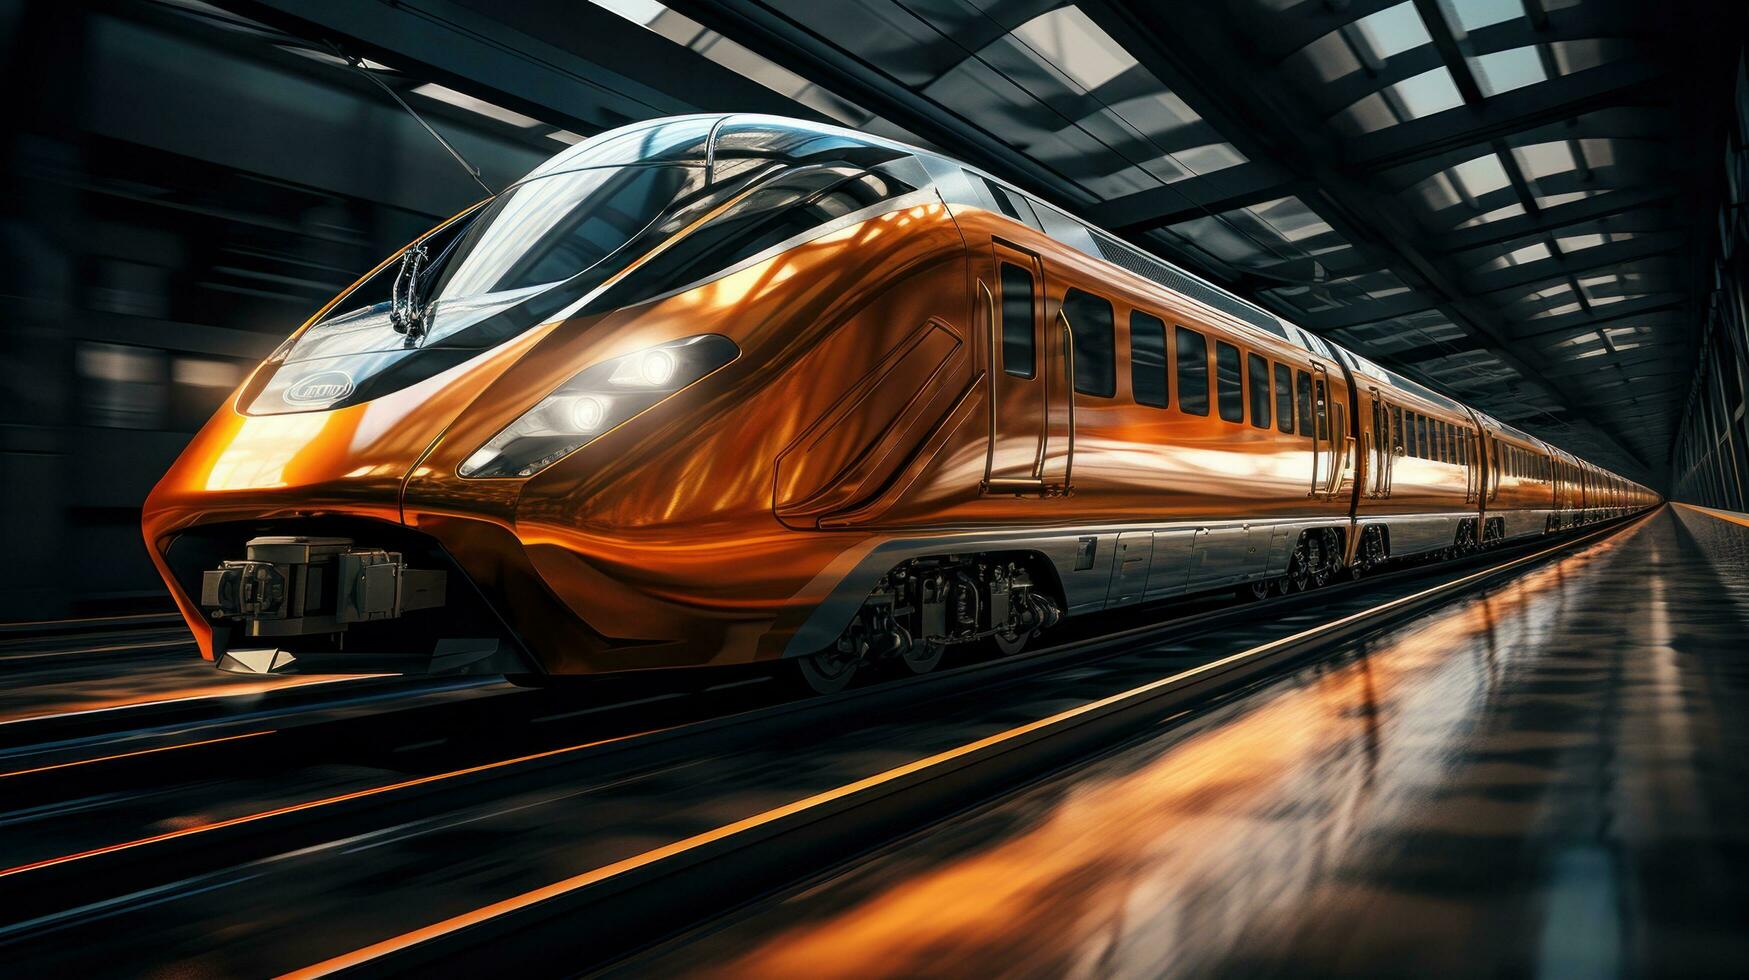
[[329, 386]]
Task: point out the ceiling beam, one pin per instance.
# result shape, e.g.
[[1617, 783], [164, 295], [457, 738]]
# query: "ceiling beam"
[[1413, 356], [1502, 115], [1433, 19], [1551, 219], [599, 79], [1280, 33], [1584, 260], [1633, 309], [1361, 314], [1249, 183], [775, 36]]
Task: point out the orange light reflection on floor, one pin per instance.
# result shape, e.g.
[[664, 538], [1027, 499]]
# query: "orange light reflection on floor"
[[226, 689], [1058, 898]]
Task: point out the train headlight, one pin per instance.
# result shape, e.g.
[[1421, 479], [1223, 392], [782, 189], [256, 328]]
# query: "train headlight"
[[594, 402]]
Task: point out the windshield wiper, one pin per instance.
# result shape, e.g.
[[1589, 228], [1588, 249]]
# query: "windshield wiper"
[[407, 313]]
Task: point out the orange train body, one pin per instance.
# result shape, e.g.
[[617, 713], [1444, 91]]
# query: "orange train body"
[[929, 370]]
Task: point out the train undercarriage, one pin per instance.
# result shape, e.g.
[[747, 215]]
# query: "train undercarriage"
[[927, 606]]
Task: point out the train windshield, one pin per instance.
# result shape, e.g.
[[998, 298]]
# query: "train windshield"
[[534, 236], [538, 249]]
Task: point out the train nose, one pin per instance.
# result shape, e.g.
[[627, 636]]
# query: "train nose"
[[352, 460], [242, 473]]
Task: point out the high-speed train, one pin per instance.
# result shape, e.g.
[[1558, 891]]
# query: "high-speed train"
[[720, 389]]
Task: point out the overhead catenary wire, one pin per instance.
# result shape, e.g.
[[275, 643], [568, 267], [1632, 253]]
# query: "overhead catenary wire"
[[357, 64]]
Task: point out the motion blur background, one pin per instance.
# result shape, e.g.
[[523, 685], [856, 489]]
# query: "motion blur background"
[[180, 191], [185, 183]]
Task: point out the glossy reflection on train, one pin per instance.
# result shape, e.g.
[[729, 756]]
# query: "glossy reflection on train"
[[721, 389]]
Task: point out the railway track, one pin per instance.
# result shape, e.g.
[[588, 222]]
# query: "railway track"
[[642, 808]]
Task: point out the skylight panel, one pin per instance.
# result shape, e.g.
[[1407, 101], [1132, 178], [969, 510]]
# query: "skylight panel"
[[1070, 40]]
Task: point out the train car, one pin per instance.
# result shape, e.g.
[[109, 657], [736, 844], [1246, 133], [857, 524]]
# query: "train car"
[[1422, 472], [1564, 467], [1520, 490], [716, 390]]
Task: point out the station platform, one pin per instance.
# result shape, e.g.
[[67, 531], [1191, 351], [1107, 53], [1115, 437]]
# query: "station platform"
[[1549, 777]]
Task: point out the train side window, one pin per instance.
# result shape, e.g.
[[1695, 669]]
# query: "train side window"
[[1284, 398], [1421, 436], [1397, 444], [1321, 407], [1229, 390], [1065, 229], [1018, 357], [1193, 371], [1148, 359], [1003, 202], [1304, 387], [1022, 206], [1443, 441], [780, 209], [1014, 205], [1090, 320], [1259, 381]]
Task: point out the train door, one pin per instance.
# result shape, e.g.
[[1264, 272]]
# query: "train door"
[[1378, 449], [1024, 380], [1325, 438], [1472, 472], [1492, 477]]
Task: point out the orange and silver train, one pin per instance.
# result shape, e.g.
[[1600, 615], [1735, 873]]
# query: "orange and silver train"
[[722, 389]]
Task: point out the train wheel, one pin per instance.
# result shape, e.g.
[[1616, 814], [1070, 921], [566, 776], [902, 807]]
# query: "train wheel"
[[1253, 591], [1372, 552], [826, 672], [922, 657], [1009, 644], [1321, 567], [1299, 569]]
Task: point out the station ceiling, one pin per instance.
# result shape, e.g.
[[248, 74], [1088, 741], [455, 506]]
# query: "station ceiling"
[[1512, 200]]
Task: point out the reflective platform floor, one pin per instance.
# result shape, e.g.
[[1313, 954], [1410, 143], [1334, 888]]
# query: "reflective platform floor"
[[1550, 777]]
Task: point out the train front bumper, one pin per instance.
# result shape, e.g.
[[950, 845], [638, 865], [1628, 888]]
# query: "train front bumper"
[[294, 589]]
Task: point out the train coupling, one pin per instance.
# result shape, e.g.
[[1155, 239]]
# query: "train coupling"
[[304, 586]]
